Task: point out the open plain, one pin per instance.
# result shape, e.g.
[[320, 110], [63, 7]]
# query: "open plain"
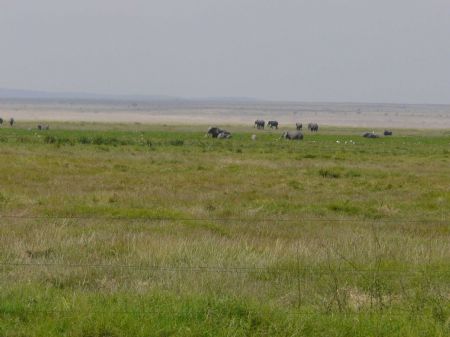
[[132, 229], [222, 111]]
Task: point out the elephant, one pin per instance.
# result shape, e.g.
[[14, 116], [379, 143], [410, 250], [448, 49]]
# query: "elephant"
[[272, 124], [313, 127], [292, 135], [214, 132], [260, 124], [370, 135], [224, 134], [43, 127], [298, 126]]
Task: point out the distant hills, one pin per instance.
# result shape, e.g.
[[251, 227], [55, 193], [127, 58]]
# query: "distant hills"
[[18, 94], [48, 95], [65, 97]]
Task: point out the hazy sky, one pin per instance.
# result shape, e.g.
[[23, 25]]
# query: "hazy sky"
[[303, 50]]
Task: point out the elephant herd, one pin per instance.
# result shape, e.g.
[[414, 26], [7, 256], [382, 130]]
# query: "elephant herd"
[[216, 132], [219, 133], [260, 124]]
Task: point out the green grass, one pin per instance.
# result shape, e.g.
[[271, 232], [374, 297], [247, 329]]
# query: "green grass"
[[137, 230]]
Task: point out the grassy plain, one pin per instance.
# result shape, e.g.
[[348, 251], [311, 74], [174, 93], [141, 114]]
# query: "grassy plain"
[[138, 230]]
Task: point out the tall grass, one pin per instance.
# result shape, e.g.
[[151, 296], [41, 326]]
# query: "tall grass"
[[164, 232]]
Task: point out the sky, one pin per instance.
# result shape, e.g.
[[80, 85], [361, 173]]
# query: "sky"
[[394, 51]]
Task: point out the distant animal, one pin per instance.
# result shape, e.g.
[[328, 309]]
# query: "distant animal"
[[313, 127], [1, 121], [224, 134], [387, 133], [272, 124], [11, 122], [292, 135], [298, 126], [260, 124], [215, 132], [43, 127], [370, 135]]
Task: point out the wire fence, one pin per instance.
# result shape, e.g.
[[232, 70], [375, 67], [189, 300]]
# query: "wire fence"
[[297, 273], [300, 219], [208, 311], [435, 270], [441, 270]]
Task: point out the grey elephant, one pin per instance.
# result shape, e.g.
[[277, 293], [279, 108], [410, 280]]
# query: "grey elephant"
[[298, 126], [313, 127], [43, 127], [260, 124], [214, 132], [292, 135], [272, 124], [224, 135], [370, 135]]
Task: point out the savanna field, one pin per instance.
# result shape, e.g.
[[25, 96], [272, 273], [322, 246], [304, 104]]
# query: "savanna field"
[[138, 230]]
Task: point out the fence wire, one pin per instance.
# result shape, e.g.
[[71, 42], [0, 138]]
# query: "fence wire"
[[434, 270], [230, 219]]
